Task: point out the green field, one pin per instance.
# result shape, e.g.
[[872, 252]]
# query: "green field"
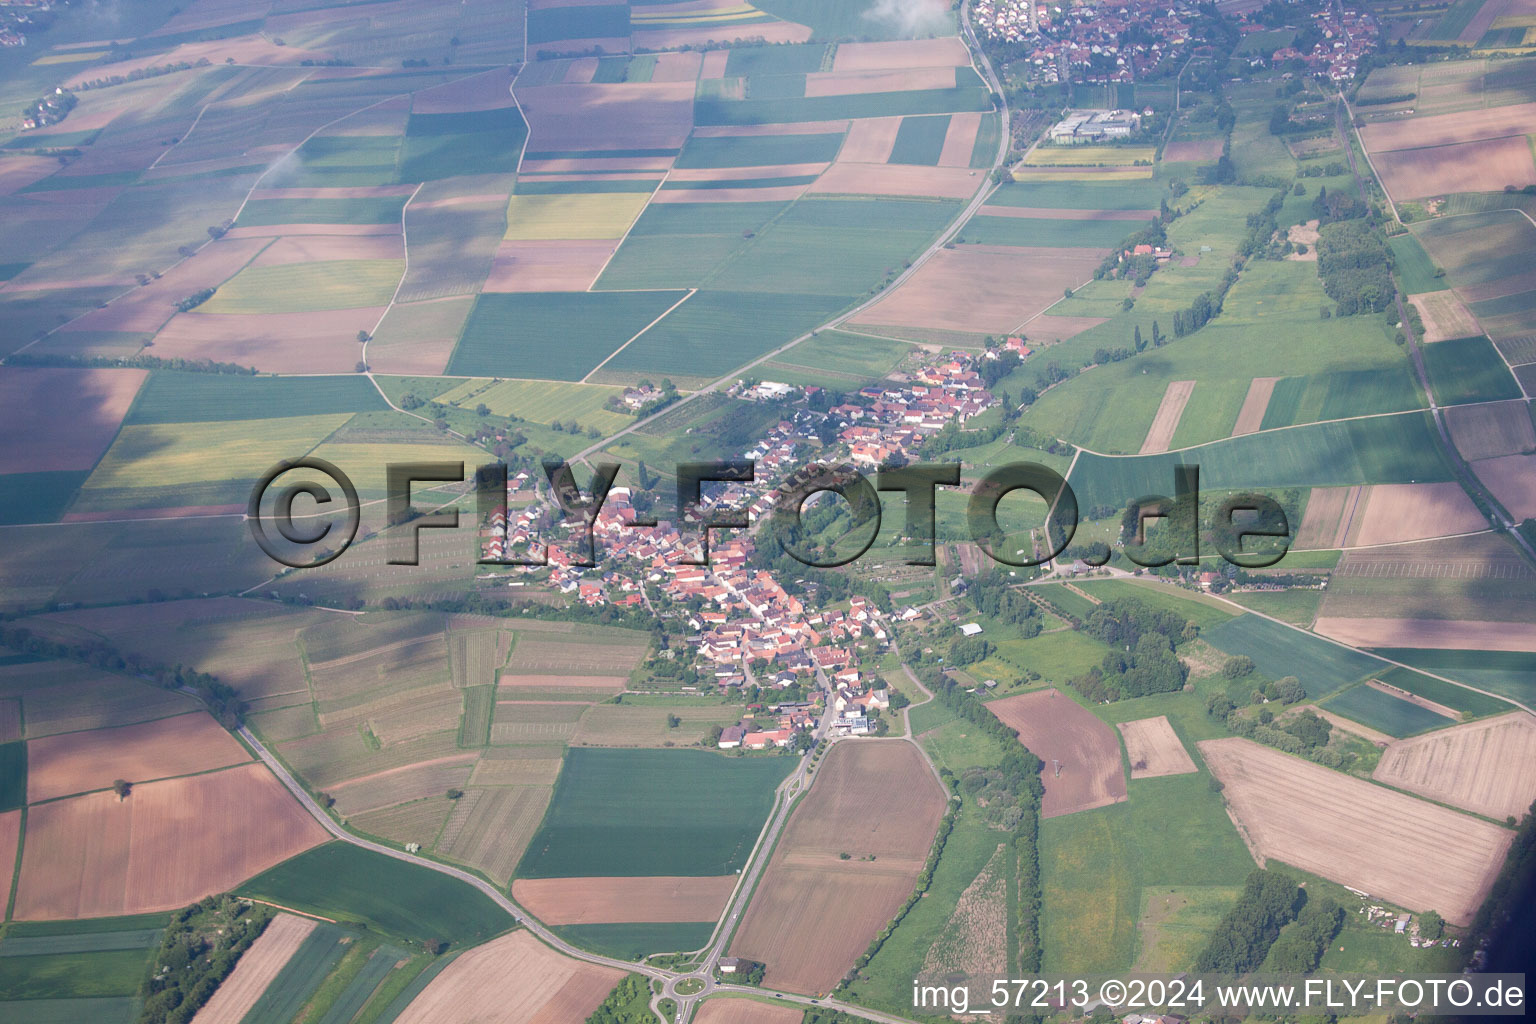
[[472, 142], [355, 885], [171, 397], [346, 160], [791, 59], [541, 401], [653, 812], [1081, 195], [1068, 601], [716, 331], [1414, 269], [23, 945], [105, 1010], [760, 150], [1383, 449], [633, 941], [1460, 698], [73, 975], [920, 140], [13, 776], [1296, 606], [286, 995], [553, 24], [37, 497], [679, 245], [838, 352], [1048, 232], [1341, 394], [309, 288], [1322, 666], [553, 335], [1203, 612], [1468, 370], [1384, 712], [1511, 673], [352, 210]]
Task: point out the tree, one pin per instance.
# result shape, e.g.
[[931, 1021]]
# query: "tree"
[[1290, 690], [363, 337], [454, 794], [1431, 925], [122, 787], [1237, 666], [673, 721]]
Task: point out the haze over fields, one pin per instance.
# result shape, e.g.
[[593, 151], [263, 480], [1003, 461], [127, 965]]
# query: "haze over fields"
[[1247, 684]]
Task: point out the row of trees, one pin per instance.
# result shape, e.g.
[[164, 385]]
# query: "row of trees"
[[139, 362], [1269, 901], [222, 700]]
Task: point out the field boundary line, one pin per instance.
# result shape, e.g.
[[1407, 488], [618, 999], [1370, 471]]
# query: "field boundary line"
[[288, 910], [1271, 430], [691, 293]]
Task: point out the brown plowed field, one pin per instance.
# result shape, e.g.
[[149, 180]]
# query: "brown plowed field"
[[1445, 129], [848, 83], [714, 64], [1324, 524], [1169, 411], [580, 71], [960, 140], [1197, 150], [10, 835], [17, 172], [400, 785], [10, 720], [336, 192], [1487, 165], [168, 844], [983, 289], [1402, 849], [737, 173], [579, 164], [1488, 767], [1512, 479], [547, 266], [874, 800], [1255, 404], [649, 115], [1394, 513], [745, 1011], [515, 979], [593, 684], [1489, 431], [617, 900], [61, 419], [1154, 749], [1057, 728], [898, 180], [268, 230], [1447, 634], [418, 337], [946, 51], [78, 762], [254, 971], [1445, 316], [870, 140], [279, 342], [677, 67]]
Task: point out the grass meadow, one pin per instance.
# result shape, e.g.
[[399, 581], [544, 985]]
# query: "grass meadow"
[[308, 287], [552, 335], [1276, 650], [1384, 712]]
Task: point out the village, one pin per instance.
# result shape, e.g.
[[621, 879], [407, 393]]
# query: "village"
[[747, 634]]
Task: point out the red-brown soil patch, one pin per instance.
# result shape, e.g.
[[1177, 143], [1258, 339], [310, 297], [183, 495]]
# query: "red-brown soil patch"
[[321, 342], [870, 140], [1512, 479], [515, 979], [898, 180], [1196, 150], [1251, 416], [874, 802], [1058, 730], [61, 419], [714, 63], [677, 67], [1442, 634], [1154, 749], [1489, 431], [1487, 165], [983, 289], [848, 83], [169, 843], [79, 762], [1488, 766], [1445, 129], [539, 266], [619, 900], [960, 140], [255, 969], [490, 91], [1394, 513], [20, 171], [745, 1011], [1395, 847]]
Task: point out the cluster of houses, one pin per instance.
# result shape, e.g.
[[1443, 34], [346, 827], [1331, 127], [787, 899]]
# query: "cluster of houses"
[[747, 629], [1091, 43], [1347, 36]]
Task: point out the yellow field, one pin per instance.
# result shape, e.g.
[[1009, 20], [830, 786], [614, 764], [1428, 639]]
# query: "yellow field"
[[308, 287], [595, 215], [1089, 156], [365, 463], [167, 454], [1084, 174], [541, 401], [69, 58]]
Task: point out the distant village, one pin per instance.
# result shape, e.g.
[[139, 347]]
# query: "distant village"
[[745, 630]]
